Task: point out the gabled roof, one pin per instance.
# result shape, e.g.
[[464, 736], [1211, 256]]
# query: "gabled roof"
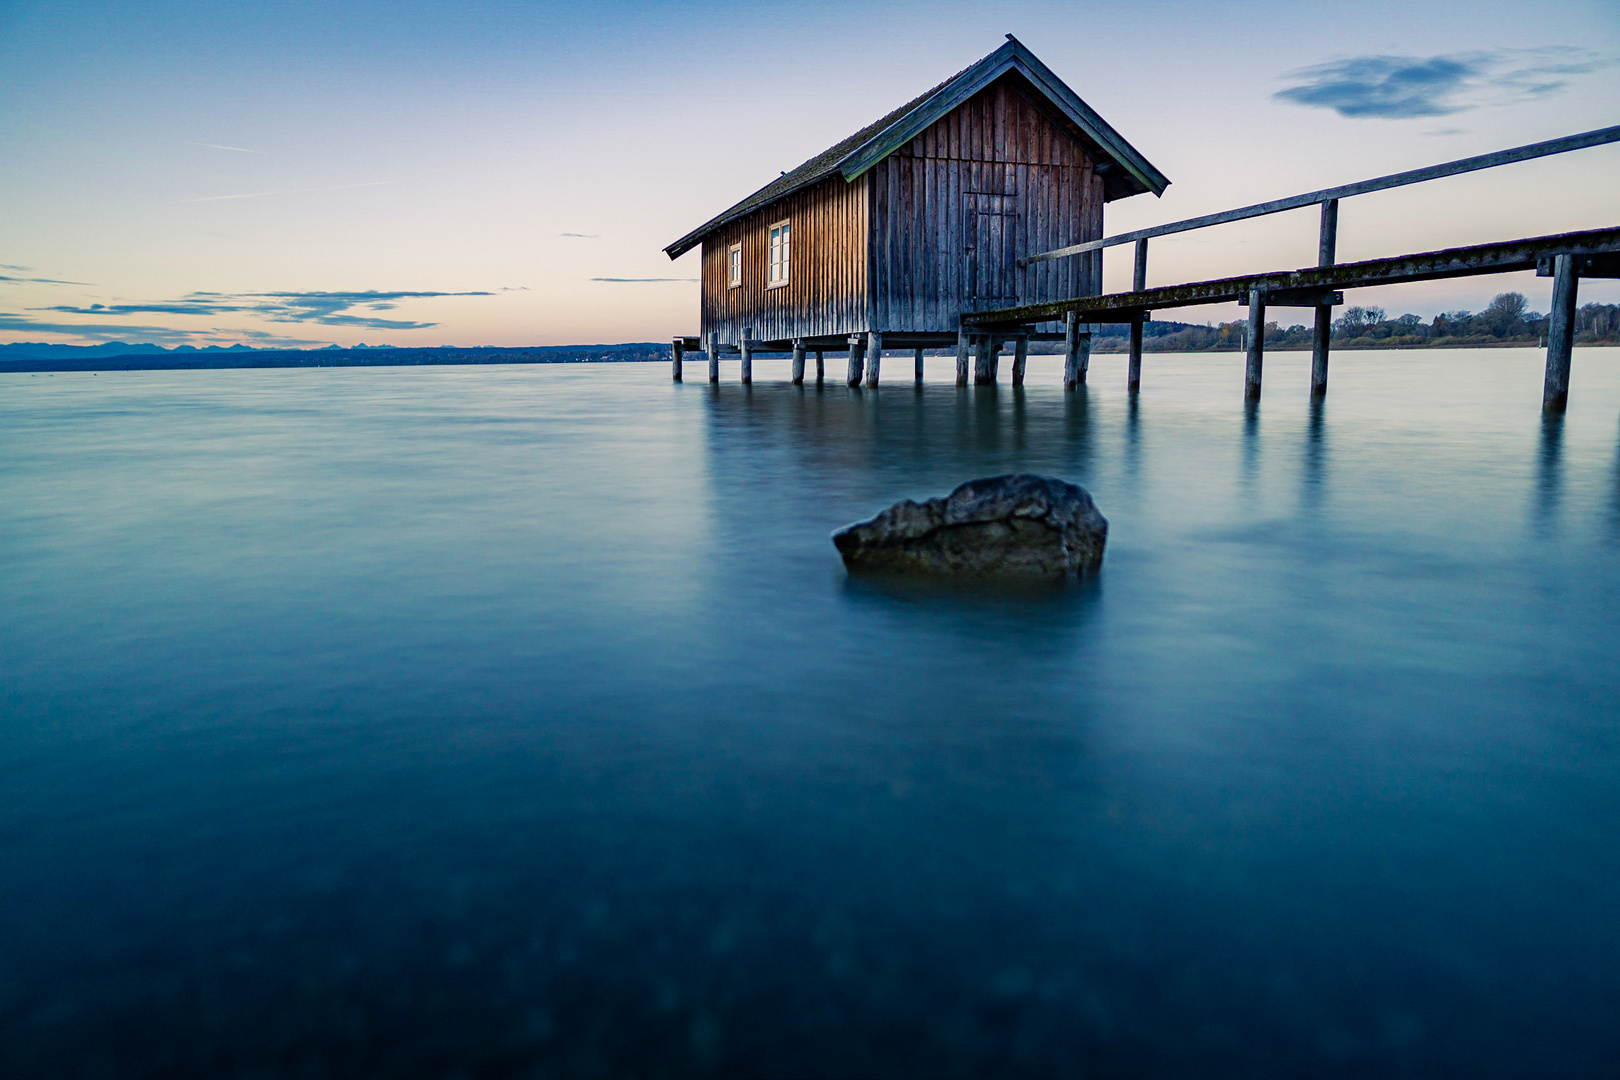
[[1131, 173]]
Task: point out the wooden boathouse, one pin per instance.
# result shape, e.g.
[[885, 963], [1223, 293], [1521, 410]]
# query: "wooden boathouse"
[[888, 238]]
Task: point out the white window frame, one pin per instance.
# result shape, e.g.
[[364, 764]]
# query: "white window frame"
[[734, 266], [774, 265]]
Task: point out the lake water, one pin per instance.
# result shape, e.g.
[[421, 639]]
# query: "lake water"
[[522, 721]]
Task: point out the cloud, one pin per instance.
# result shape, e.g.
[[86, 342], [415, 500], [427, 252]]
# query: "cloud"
[[1401, 87], [238, 149], [286, 191], [35, 280], [143, 335], [581, 235], [635, 280], [322, 308]]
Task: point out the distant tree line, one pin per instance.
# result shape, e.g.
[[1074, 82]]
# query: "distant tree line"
[[1505, 320]]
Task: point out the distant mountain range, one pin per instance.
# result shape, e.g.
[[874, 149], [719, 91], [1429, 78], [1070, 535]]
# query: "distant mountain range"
[[39, 356]]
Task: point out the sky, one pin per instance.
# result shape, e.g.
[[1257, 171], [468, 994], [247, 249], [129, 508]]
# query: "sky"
[[505, 173]]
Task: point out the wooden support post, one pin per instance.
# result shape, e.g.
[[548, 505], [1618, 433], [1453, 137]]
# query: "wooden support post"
[[747, 355], [821, 368], [714, 358], [1085, 352], [857, 345], [962, 342], [1560, 335], [1133, 376], [798, 361], [1325, 254], [675, 357], [1257, 344], [1071, 350], [1020, 358], [981, 360], [874, 356], [919, 365], [995, 359]]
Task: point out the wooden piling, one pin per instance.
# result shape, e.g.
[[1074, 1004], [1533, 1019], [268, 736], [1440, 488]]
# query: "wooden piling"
[[1020, 358], [675, 358], [874, 356], [919, 365], [995, 359], [821, 369], [1327, 242], [981, 360], [1133, 375], [1257, 344], [962, 342], [747, 355], [714, 358], [857, 345], [1560, 335], [798, 361], [1071, 350]]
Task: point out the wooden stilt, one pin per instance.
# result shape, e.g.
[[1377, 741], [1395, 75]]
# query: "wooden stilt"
[[1325, 254], [874, 356], [981, 361], [995, 359], [748, 355], [1085, 353], [1257, 344], [1560, 335], [714, 358], [1020, 358], [1071, 350], [675, 358], [798, 361], [919, 365], [962, 342], [857, 345], [1133, 375], [821, 369]]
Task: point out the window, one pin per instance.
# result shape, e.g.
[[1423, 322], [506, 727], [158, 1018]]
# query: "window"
[[733, 266], [777, 270]]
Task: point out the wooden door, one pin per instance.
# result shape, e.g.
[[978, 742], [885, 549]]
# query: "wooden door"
[[991, 230]]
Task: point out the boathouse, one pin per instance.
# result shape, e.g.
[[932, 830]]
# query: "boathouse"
[[888, 238]]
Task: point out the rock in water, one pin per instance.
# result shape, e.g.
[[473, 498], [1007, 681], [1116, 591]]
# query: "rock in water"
[[1006, 526]]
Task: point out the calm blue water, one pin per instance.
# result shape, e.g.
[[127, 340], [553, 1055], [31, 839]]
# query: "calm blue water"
[[521, 721]]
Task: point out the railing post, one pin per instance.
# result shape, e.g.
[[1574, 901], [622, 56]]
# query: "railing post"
[[1560, 335], [1133, 379], [1327, 242], [1257, 344], [675, 358]]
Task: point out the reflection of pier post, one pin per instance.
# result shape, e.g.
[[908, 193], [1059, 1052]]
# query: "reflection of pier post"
[[1325, 254], [1549, 470]]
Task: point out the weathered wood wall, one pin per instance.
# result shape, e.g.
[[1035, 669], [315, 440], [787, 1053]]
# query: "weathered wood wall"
[[954, 209], [826, 291]]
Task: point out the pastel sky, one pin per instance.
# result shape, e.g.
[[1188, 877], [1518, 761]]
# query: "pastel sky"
[[505, 173]]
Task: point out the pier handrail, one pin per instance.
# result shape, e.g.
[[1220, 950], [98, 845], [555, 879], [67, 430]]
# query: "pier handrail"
[[1597, 137]]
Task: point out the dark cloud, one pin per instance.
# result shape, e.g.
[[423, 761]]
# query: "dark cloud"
[[132, 334], [36, 280], [323, 308], [635, 280], [1401, 87]]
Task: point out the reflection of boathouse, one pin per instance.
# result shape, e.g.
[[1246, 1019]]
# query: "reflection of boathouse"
[[886, 239]]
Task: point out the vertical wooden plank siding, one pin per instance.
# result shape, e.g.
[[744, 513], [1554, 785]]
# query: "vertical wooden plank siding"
[[826, 292], [955, 208]]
